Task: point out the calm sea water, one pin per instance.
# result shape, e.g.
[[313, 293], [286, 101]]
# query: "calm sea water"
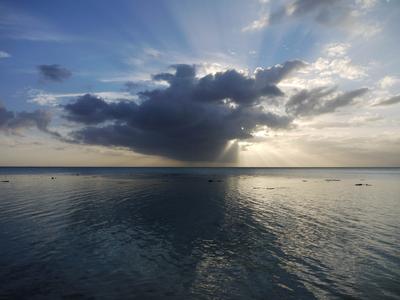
[[164, 233]]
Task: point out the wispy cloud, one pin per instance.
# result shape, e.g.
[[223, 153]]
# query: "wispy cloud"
[[346, 14], [52, 99], [321, 101], [390, 101], [4, 54], [358, 121], [257, 24], [15, 24]]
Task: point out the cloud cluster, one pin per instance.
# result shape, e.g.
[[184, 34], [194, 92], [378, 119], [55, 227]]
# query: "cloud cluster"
[[189, 117], [54, 72], [12, 122], [192, 119]]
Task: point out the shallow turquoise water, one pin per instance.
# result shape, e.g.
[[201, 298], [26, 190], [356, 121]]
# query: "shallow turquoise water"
[[165, 233]]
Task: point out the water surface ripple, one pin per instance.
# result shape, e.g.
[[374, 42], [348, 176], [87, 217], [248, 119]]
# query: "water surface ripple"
[[164, 233]]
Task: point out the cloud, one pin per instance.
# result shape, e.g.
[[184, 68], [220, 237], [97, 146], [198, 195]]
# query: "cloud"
[[323, 11], [54, 72], [91, 109], [364, 150], [337, 63], [337, 49], [257, 24], [192, 119], [326, 12], [327, 70], [13, 122], [359, 121], [52, 99], [388, 81], [4, 54], [341, 67], [391, 101], [320, 100], [18, 25], [133, 87]]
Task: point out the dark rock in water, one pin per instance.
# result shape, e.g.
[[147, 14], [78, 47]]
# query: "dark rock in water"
[[5, 181], [53, 178], [358, 184], [305, 180], [362, 184], [210, 180], [270, 188]]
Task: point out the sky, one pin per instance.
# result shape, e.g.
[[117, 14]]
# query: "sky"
[[291, 83]]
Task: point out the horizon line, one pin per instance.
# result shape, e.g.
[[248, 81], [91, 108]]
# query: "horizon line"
[[212, 167]]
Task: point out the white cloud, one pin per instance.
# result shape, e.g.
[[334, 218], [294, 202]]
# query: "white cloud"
[[42, 98], [337, 63], [366, 30], [366, 4], [257, 24], [326, 70], [337, 49], [152, 53], [4, 54], [342, 67], [204, 69], [388, 82], [51, 99], [306, 81]]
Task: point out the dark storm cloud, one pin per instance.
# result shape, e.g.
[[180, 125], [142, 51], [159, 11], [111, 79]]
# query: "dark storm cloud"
[[320, 100], [10, 121], [231, 84], [328, 12], [390, 101], [131, 86], [90, 109], [192, 119], [54, 72]]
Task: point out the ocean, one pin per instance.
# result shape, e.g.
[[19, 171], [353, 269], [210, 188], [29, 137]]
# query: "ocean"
[[199, 233]]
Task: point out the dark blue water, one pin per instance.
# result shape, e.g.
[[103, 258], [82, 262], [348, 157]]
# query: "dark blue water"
[[166, 233]]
